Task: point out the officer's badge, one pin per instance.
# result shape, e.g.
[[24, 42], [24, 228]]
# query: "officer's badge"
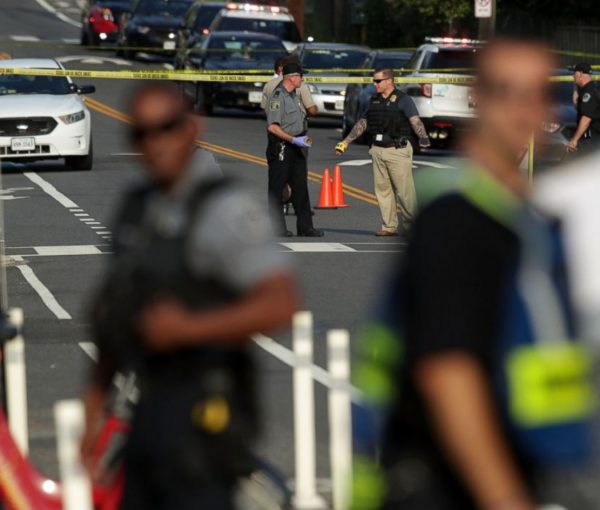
[[393, 99], [586, 97], [274, 106]]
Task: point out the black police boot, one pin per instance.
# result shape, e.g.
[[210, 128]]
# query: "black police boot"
[[311, 232]]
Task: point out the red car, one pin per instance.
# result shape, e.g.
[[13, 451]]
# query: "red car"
[[100, 21]]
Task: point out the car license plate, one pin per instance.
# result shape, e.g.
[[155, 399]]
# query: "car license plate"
[[339, 105], [169, 45], [255, 97], [22, 144]]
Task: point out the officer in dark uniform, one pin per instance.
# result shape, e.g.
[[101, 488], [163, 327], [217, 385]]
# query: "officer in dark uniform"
[[193, 277], [390, 121], [587, 135], [287, 153]]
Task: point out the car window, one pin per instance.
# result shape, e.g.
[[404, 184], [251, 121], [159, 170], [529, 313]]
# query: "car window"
[[16, 85], [451, 59], [392, 63], [162, 7], [332, 58], [244, 49], [285, 30], [206, 15]]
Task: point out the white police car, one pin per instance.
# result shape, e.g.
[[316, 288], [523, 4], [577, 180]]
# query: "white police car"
[[445, 108], [265, 19], [44, 117]]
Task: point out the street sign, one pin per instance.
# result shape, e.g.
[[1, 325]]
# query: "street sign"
[[483, 8]]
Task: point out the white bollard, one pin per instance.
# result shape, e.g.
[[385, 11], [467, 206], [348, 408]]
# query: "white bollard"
[[305, 495], [16, 384], [340, 418], [69, 416]]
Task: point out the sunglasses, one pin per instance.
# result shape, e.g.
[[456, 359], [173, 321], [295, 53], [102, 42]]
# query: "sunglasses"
[[379, 80], [138, 133]]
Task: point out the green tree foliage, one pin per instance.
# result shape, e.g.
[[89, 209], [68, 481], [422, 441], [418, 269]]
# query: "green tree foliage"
[[441, 12]]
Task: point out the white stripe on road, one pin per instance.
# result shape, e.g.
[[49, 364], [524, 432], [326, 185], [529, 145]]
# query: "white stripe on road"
[[272, 347], [45, 5], [51, 190], [24, 38], [90, 349], [318, 247], [42, 291], [432, 164], [61, 251], [70, 40]]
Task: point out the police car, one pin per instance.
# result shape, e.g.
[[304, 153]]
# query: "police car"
[[445, 108], [44, 117], [266, 19]]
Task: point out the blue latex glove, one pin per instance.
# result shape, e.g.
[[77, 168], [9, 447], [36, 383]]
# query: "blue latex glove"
[[302, 141]]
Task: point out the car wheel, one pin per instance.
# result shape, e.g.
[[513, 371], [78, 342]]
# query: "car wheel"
[[81, 162]]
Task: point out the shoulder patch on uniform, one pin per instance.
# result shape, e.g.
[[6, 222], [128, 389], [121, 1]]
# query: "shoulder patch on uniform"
[[274, 106], [586, 97]]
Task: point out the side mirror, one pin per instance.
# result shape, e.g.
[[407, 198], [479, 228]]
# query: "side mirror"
[[86, 89]]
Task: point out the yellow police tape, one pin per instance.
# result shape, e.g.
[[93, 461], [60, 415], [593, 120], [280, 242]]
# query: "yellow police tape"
[[202, 77], [193, 76]]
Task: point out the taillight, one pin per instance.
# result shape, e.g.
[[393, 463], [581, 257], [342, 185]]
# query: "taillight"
[[426, 89]]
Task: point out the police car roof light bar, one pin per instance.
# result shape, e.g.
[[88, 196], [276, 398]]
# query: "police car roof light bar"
[[453, 40], [256, 8]]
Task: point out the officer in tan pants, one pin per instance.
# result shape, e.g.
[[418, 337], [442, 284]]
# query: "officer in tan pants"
[[389, 122]]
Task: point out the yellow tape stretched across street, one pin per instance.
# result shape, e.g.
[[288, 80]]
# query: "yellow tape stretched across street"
[[202, 77]]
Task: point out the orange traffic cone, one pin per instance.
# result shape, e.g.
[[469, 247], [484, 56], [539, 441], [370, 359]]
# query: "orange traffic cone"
[[338, 188], [326, 196]]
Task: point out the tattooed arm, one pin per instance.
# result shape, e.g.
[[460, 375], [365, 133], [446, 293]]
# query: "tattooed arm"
[[420, 131], [359, 128]]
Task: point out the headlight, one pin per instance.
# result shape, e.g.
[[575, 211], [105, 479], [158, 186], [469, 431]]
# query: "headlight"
[[312, 89], [550, 127], [143, 30], [72, 117]]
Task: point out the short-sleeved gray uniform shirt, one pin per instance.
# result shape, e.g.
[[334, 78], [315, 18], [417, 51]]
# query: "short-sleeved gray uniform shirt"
[[284, 108], [231, 237]]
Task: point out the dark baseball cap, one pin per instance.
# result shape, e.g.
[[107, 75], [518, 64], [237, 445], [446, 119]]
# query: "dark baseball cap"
[[292, 68], [583, 67]]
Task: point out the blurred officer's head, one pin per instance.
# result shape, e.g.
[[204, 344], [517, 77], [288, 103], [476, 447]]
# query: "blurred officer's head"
[[163, 130], [512, 92], [383, 79], [582, 74]]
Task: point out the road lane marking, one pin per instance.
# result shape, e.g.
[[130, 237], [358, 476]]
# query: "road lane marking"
[[63, 200], [58, 251], [43, 292], [45, 5], [24, 38], [51, 190], [318, 247], [275, 349]]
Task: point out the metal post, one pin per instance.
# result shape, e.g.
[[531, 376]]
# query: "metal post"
[[69, 416], [3, 283], [487, 26], [305, 494], [16, 384], [340, 421]]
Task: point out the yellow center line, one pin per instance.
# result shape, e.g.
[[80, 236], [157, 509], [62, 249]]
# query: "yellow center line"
[[351, 191]]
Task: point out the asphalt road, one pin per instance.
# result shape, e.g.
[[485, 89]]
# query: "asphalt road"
[[57, 230]]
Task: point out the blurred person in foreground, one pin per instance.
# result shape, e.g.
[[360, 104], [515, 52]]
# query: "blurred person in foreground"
[[473, 380], [193, 277]]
